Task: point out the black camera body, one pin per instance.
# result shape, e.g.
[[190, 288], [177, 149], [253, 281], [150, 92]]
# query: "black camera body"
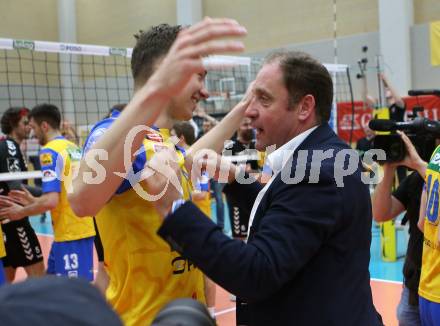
[[421, 131]]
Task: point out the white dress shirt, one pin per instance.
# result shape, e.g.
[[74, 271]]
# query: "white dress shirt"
[[276, 160]]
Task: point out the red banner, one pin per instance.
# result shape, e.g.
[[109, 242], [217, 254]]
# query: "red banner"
[[348, 121]]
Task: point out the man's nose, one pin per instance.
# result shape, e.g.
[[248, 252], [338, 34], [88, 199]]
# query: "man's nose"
[[203, 93], [251, 110]]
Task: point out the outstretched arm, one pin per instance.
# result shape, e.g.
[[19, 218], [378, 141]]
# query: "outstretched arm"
[[182, 61], [397, 98]]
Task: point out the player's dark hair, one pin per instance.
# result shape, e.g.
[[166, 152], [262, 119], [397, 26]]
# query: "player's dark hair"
[[11, 118], [187, 130], [48, 113], [150, 47], [304, 75]]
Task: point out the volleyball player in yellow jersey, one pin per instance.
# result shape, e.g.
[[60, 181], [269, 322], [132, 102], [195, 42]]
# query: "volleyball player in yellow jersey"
[[168, 77], [72, 250], [429, 285]]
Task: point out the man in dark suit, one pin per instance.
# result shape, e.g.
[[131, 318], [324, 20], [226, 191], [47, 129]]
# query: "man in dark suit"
[[306, 259]]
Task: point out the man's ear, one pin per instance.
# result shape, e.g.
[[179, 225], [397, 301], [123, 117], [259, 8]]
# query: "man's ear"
[[306, 107], [44, 126]]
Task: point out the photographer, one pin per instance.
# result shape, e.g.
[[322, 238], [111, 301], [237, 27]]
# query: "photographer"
[[386, 206]]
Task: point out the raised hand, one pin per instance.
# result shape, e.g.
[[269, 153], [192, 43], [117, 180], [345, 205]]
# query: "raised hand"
[[412, 158], [247, 98]]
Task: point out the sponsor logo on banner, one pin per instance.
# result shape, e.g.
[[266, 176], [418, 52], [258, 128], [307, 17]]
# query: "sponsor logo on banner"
[[70, 48], [23, 44], [13, 164], [46, 159], [49, 175], [118, 51]]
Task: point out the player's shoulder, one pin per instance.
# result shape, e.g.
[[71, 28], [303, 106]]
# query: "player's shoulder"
[[97, 131]]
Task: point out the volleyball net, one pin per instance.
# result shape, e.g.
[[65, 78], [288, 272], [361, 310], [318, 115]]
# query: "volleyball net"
[[86, 81]]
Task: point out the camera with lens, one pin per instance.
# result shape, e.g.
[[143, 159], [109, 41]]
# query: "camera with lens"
[[421, 131]]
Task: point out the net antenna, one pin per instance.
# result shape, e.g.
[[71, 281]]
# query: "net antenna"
[[86, 81], [342, 90]]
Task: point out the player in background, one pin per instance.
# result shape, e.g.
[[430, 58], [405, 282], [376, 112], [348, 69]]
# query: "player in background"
[[22, 246], [72, 250], [241, 150]]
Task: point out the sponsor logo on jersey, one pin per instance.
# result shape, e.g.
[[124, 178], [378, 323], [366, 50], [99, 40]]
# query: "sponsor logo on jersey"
[[13, 164], [49, 175], [12, 150], [154, 136], [74, 153], [46, 159], [436, 159]]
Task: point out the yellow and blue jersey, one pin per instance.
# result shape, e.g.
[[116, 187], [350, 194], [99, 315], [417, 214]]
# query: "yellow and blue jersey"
[[59, 160], [145, 274], [429, 286]]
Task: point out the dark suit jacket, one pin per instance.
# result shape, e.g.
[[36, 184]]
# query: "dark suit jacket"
[[306, 261]]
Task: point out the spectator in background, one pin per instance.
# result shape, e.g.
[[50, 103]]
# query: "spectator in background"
[[204, 121], [69, 132], [198, 118], [397, 109], [393, 100]]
